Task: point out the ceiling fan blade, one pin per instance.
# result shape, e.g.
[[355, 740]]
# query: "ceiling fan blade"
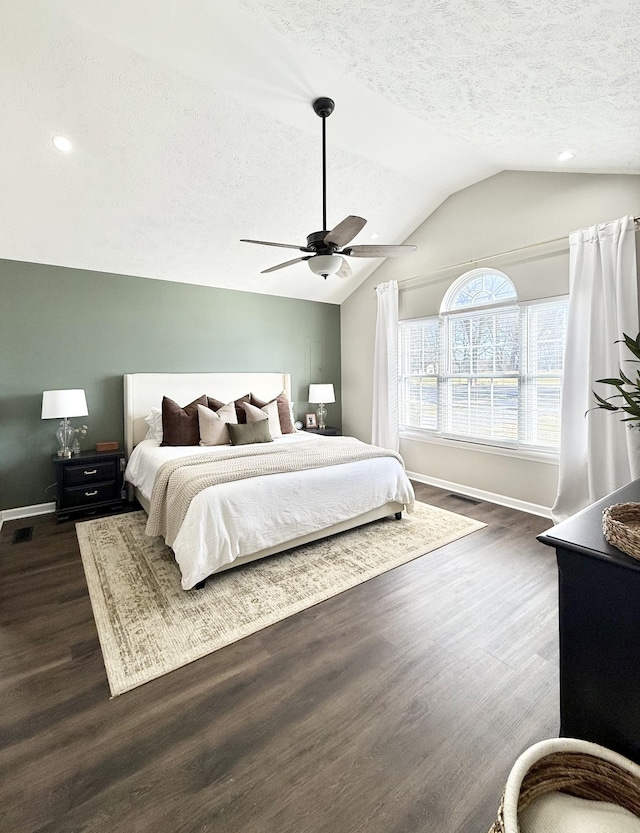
[[378, 251], [279, 245], [345, 270], [282, 265], [345, 231]]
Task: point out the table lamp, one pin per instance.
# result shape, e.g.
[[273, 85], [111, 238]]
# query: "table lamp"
[[62, 404], [319, 395]]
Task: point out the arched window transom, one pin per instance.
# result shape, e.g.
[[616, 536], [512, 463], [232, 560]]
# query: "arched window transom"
[[478, 288]]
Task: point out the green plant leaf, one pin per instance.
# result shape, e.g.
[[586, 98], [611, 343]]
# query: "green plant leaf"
[[632, 344], [632, 405], [626, 379], [602, 403], [630, 397]]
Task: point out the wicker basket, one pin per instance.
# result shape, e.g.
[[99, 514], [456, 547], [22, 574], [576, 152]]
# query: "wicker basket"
[[621, 527], [571, 766]]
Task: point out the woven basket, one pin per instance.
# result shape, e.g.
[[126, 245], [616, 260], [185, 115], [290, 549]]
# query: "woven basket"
[[567, 765], [621, 527]]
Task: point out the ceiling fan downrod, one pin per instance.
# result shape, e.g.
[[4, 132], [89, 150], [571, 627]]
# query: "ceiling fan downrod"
[[323, 107]]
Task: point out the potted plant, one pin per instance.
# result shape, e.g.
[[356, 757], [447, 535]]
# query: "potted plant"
[[628, 390]]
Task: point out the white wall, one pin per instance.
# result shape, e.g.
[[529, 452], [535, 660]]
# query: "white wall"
[[508, 211]]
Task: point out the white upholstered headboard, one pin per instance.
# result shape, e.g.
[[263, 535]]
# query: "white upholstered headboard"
[[143, 391]]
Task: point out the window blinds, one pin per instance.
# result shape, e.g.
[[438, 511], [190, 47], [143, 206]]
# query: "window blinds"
[[486, 375]]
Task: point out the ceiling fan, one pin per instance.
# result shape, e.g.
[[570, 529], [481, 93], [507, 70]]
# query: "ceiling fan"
[[328, 249]]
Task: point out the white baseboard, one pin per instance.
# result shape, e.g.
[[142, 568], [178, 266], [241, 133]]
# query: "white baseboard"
[[481, 494], [26, 512]]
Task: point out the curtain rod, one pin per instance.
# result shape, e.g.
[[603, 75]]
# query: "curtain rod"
[[564, 238]]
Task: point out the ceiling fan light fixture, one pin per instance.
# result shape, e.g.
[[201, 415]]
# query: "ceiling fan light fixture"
[[325, 264]]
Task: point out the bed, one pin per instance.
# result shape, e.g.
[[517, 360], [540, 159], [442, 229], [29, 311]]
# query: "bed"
[[232, 523]]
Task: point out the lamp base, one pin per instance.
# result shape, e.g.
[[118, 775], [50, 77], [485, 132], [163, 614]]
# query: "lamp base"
[[321, 413], [64, 435]]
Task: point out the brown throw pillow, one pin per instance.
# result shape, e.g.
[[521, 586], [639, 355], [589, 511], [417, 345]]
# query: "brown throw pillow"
[[242, 417], [251, 432], [214, 404], [284, 411], [180, 425]]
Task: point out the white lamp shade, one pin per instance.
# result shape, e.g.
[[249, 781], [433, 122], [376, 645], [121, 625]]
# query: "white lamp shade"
[[57, 404], [321, 394], [325, 264]]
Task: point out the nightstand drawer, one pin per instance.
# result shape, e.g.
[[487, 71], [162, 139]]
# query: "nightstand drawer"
[[91, 472], [91, 493]]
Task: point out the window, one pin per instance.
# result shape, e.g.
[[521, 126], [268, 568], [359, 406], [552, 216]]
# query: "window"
[[488, 368]]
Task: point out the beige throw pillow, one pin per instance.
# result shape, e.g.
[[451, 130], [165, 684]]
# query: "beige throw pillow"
[[268, 411], [213, 424], [285, 410]]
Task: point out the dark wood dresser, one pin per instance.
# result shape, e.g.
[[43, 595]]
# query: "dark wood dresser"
[[599, 618]]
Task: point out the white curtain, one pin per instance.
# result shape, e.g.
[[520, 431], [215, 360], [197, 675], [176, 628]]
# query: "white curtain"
[[598, 452], [385, 430]]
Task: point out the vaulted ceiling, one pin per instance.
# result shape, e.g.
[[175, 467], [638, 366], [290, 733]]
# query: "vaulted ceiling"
[[192, 127]]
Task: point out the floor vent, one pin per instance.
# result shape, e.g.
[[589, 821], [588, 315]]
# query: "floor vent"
[[20, 536], [466, 499]]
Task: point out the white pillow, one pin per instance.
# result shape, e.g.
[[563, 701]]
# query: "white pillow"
[[560, 813], [268, 411], [213, 424], [154, 421]]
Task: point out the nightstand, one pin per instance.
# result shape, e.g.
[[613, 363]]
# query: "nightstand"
[[327, 431], [89, 482]]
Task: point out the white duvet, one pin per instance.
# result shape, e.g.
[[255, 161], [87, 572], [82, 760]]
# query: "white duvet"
[[230, 520]]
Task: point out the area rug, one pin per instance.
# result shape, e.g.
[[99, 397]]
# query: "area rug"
[[148, 626]]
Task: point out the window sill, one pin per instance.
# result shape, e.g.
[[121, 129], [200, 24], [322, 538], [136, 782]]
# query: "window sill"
[[415, 435]]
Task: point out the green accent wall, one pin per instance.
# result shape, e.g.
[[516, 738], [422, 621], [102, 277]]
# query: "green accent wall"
[[69, 328]]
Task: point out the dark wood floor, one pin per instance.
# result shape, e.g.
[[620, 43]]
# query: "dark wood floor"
[[396, 707]]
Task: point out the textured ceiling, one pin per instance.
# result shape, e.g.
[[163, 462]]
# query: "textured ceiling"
[[192, 123]]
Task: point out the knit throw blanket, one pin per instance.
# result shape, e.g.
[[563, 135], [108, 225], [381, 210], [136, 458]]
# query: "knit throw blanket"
[[179, 481]]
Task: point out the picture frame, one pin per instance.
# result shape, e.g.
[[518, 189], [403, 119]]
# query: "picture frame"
[[310, 421]]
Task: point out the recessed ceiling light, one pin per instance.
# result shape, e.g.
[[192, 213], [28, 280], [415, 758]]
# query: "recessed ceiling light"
[[62, 143], [566, 155], [375, 235]]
